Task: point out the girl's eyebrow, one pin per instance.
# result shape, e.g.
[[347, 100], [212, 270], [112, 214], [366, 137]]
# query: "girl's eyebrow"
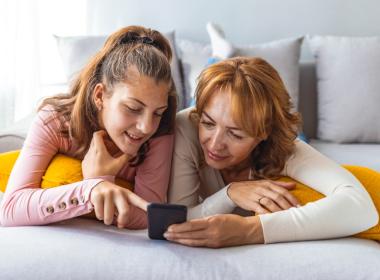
[[229, 127], [143, 104]]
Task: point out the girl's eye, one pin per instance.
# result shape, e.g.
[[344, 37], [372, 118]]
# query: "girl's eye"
[[159, 115], [133, 110]]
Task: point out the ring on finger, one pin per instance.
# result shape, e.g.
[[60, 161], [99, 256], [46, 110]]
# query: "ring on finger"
[[261, 199]]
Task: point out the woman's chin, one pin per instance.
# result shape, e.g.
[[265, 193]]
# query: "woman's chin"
[[218, 165]]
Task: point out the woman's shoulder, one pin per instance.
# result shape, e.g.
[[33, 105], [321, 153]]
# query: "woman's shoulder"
[[186, 135], [185, 125]]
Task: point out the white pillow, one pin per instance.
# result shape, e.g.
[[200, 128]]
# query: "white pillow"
[[348, 88], [77, 50], [282, 54], [193, 56]]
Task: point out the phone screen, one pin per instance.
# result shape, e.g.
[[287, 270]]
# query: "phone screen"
[[161, 216]]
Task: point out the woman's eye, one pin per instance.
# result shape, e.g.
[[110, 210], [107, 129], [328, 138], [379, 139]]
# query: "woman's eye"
[[207, 124], [236, 136]]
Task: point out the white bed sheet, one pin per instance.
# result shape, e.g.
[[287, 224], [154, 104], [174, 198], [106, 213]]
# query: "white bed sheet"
[[86, 249]]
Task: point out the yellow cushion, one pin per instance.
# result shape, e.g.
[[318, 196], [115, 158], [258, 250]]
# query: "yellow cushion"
[[62, 170], [65, 170]]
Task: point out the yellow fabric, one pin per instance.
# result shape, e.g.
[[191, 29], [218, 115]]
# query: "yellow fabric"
[[62, 170], [65, 170]]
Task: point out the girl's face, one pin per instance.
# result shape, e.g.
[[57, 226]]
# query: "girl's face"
[[132, 113], [224, 144]]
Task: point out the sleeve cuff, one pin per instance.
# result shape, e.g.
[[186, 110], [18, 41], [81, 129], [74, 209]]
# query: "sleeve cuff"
[[218, 203]]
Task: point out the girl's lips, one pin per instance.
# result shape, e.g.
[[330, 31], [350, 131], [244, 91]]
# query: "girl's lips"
[[133, 140], [215, 156]]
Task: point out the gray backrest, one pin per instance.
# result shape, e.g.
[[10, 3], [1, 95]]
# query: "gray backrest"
[[308, 98]]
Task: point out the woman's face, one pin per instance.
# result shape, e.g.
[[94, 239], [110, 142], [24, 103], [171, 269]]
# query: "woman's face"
[[224, 144], [132, 113]]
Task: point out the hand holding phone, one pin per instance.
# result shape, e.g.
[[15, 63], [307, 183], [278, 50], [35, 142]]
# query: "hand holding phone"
[[161, 216]]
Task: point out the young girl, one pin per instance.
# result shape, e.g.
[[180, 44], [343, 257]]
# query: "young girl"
[[118, 118], [241, 135]]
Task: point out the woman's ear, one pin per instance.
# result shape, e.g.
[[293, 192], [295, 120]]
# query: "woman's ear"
[[98, 95]]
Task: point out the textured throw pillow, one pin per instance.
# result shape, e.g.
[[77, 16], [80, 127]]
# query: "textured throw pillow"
[[61, 170], [348, 88], [77, 50], [282, 54]]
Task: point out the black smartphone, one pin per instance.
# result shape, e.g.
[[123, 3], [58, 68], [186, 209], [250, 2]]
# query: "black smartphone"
[[161, 216]]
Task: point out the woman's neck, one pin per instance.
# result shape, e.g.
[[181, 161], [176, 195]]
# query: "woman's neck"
[[237, 173]]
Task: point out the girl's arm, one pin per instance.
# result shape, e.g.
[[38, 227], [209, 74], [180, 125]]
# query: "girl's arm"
[[152, 178], [346, 210], [25, 203]]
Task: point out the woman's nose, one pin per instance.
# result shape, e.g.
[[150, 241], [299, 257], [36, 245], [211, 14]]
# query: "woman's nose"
[[216, 141]]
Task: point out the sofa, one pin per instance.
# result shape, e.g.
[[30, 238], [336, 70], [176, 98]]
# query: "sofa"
[[87, 249]]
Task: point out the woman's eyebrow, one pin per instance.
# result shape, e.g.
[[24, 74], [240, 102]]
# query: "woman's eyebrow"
[[208, 116]]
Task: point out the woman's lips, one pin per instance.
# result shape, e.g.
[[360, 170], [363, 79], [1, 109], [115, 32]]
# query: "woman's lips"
[[216, 157]]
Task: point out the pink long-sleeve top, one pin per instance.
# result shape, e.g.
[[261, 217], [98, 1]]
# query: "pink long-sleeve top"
[[25, 203]]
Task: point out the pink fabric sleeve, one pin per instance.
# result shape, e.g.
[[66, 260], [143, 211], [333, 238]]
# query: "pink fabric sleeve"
[[24, 202], [152, 178]]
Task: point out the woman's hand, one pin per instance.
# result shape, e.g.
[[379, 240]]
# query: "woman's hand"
[[263, 196], [112, 201], [217, 231], [98, 161]]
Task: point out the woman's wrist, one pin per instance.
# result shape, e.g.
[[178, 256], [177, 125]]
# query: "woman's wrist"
[[230, 188], [254, 230]]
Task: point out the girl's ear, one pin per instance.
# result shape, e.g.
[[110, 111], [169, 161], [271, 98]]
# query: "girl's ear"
[[98, 95]]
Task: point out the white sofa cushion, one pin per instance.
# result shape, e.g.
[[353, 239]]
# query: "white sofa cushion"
[[348, 88], [87, 249], [362, 154], [75, 51], [282, 54]]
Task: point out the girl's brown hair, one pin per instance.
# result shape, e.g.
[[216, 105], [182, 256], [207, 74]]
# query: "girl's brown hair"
[[261, 106], [147, 50]]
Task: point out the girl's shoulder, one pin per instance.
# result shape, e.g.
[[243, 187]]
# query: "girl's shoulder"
[[49, 124], [48, 114]]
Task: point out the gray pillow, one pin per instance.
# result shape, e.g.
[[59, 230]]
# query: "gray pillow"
[[282, 54], [77, 50], [348, 88]]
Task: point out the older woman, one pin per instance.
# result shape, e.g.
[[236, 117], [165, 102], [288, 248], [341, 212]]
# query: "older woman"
[[228, 149]]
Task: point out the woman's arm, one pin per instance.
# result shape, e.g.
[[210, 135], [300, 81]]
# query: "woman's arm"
[[25, 203], [346, 210]]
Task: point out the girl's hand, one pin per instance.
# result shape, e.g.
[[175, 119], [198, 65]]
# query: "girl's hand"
[[263, 196], [98, 161], [112, 201], [217, 231]]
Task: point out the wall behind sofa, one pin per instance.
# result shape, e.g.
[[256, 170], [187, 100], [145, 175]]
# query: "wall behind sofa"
[[244, 21]]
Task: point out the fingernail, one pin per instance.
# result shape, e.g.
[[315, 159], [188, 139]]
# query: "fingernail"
[[170, 229], [299, 205], [166, 235]]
